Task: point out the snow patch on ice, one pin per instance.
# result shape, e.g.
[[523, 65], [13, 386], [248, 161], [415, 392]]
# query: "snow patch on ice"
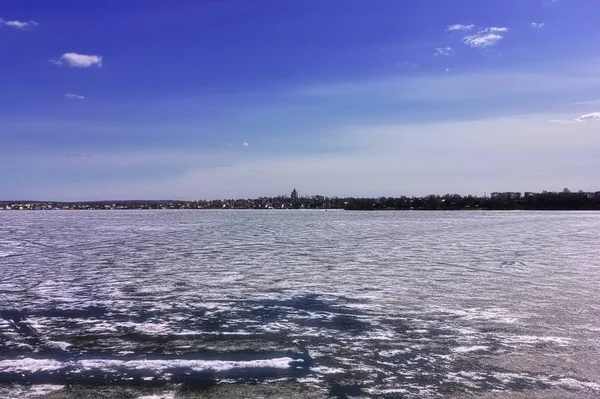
[[572, 383], [196, 365], [44, 389], [59, 345], [29, 365], [394, 352], [468, 349], [327, 370], [167, 395], [533, 340]]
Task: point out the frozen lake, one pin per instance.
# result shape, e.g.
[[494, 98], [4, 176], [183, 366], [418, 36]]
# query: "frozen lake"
[[340, 304]]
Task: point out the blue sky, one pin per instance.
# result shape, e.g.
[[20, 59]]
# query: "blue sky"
[[231, 98]]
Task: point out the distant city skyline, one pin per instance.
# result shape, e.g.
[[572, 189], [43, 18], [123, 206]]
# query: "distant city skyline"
[[564, 200], [295, 195], [240, 99]]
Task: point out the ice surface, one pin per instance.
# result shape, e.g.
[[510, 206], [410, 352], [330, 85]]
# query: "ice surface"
[[418, 304]]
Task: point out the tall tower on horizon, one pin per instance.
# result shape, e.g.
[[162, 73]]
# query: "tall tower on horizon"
[[294, 196]]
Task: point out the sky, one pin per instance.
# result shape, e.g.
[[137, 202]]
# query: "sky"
[[246, 98]]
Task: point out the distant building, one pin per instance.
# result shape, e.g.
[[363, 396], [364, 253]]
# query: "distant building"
[[507, 195], [528, 194], [294, 196]]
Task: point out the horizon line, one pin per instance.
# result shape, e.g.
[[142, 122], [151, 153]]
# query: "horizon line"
[[485, 195]]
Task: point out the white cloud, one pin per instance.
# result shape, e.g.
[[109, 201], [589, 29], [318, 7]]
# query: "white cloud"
[[72, 96], [495, 29], [459, 27], [485, 37], [444, 51], [482, 40], [18, 24], [537, 24], [79, 60], [245, 144], [594, 116]]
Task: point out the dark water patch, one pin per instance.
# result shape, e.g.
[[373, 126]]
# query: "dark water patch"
[[522, 384], [308, 303], [266, 314], [343, 323], [340, 390], [217, 322], [141, 344], [402, 324], [349, 323], [129, 289]]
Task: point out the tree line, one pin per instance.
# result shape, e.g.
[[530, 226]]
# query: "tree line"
[[564, 200], [541, 201]]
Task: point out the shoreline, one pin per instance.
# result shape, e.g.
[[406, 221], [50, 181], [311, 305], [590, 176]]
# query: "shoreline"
[[311, 209]]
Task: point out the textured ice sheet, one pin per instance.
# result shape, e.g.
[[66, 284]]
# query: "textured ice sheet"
[[418, 304]]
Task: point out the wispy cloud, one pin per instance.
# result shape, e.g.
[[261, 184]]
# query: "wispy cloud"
[[76, 60], [18, 24], [591, 102], [79, 155], [537, 24], [541, 154], [485, 38], [72, 96], [482, 40], [479, 85], [460, 27], [244, 144], [403, 64], [443, 51], [594, 116]]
